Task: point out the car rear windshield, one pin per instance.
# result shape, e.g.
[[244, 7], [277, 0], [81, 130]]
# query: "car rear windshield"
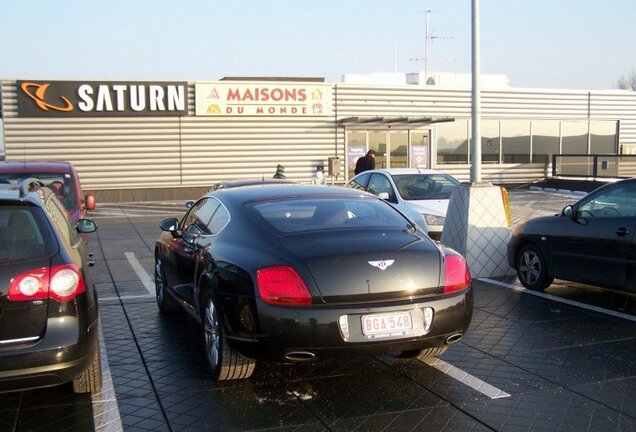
[[425, 186], [313, 214], [24, 234], [60, 183]]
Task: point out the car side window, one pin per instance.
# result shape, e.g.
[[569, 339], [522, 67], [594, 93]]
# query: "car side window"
[[615, 202], [60, 219], [360, 182], [380, 184], [197, 219], [219, 220]]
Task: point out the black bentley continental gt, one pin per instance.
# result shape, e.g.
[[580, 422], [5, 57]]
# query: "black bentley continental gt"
[[295, 273]]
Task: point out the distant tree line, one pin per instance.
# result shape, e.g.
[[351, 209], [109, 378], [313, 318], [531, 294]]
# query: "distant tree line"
[[627, 82]]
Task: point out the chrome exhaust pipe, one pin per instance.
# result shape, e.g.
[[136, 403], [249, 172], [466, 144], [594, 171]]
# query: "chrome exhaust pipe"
[[300, 356], [453, 339]]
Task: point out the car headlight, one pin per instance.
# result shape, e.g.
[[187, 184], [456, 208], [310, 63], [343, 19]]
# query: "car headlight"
[[433, 219]]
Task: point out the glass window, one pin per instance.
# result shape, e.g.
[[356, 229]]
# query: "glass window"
[[515, 141], [357, 145], [615, 202], [380, 184], [490, 141], [60, 183], [196, 220], [425, 186], [60, 219], [574, 137], [377, 142], [399, 149], [419, 149], [603, 137], [219, 220], [452, 142], [312, 214], [360, 182], [23, 235], [545, 140]]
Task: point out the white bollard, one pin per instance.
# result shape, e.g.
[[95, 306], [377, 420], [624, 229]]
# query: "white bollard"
[[477, 227]]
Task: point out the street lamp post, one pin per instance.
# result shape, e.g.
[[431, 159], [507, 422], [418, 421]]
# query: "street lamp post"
[[475, 143], [476, 223]]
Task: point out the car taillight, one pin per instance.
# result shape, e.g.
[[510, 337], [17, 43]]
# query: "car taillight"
[[457, 274], [282, 285], [66, 282], [61, 283], [30, 285]]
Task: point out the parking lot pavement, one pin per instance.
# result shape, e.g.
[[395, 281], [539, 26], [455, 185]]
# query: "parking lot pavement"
[[552, 366]]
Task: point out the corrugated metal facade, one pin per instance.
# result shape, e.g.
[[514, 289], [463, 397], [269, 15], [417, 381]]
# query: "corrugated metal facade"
[[160, 152], [527, 104]]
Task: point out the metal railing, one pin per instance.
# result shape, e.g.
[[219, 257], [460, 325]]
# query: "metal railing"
[[594, 165]]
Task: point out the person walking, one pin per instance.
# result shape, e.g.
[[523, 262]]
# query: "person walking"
[[366, 162], [318, 177]]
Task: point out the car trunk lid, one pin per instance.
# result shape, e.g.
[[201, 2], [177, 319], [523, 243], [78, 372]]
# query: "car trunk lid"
[[368, 265]]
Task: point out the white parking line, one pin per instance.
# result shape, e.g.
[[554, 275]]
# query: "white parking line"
[[465, 378], [141, 273], [560, 300], [106, 416], [130, 297]]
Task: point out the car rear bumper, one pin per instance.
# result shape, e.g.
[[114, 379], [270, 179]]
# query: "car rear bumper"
[[316, 331], [62, 355]]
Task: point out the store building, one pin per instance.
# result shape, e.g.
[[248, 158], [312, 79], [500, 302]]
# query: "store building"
[[151, 140]]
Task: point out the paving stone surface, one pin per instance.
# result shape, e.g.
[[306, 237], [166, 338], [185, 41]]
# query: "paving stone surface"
[[565, 368]]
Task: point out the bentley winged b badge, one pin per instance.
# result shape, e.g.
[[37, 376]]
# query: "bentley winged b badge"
[[382, 265]]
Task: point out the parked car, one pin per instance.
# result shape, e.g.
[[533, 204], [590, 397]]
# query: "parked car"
[[61, 177], [295, 273], [590, 242], [48, 303], [421, 194]]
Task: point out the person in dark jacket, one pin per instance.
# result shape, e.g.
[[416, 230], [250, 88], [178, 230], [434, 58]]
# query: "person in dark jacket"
[[280, 172], [366, 162]]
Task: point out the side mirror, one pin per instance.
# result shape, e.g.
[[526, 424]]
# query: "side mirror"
[[567, 211], [189, 204], [384, 196], [169, 225], [90, 201], [86, 226]]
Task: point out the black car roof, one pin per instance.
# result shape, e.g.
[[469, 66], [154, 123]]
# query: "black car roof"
[[249, 182], [274, 191]]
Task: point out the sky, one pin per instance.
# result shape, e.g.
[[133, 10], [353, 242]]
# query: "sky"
[[571, 44]]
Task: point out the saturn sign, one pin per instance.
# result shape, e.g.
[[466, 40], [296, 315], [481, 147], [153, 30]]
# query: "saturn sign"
[[75, 99]]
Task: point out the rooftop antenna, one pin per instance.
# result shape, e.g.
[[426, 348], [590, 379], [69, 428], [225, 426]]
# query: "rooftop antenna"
[[429, 40]]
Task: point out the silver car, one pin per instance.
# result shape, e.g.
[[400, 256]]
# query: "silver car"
[[421, 194]]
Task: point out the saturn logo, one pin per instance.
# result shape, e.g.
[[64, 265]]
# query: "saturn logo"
[[382, 265], [38, 96]]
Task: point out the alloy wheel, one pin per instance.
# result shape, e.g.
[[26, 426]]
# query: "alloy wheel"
[[159, 280], [212, 335], [530, 267]]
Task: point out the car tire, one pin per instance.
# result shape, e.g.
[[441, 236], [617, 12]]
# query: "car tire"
[[420, 354], [167, 304], [90, 381], [223, 362], [531, 269]]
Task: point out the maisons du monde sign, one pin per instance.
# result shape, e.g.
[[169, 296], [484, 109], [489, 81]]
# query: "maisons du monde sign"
[[97, 98], [263, 99]]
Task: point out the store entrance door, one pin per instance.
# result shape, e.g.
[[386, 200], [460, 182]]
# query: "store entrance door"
[[393, 149]]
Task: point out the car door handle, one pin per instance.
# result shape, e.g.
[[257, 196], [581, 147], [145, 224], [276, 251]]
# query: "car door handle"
[[622, 232]]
